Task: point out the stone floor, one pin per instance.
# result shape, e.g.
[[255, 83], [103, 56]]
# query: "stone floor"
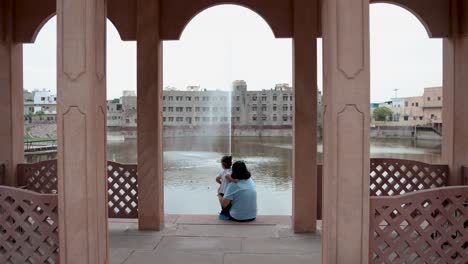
[[203, 239]]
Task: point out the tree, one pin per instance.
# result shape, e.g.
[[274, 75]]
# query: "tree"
[[40, 114], [28, 116], [382, 113]]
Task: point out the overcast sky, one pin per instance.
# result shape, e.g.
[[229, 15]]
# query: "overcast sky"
[[226, 43]]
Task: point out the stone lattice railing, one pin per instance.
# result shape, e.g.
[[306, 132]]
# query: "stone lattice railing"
[[429, 226], [41, 177], [396, 176], [28, 226]]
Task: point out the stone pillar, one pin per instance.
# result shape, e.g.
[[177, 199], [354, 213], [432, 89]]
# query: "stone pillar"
[[305, 116], [455, 94], [346, 74], [11, 95], [149, 100], [81, 127]]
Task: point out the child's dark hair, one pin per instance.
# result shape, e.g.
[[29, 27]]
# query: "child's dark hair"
[[227, 161], [239, 171]]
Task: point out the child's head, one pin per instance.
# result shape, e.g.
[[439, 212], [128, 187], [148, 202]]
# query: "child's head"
[[226, 162], [239, 171]]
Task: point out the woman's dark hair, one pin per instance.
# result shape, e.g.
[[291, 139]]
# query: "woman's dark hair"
[[239, 171], [227, 161]]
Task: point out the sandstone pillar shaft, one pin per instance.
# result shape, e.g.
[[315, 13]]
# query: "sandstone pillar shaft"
[[11, 95], [149, 100], [455, 107], [305, 116], [81, 129], [346, 131]]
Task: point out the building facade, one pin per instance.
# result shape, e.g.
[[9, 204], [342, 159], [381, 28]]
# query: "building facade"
[[40, 105], [425, 110], [196, 108]]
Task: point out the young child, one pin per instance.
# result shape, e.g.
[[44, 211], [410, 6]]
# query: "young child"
[[226, 163], [224, 177]]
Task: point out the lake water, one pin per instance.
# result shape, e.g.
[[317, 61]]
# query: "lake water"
[[192, 163]]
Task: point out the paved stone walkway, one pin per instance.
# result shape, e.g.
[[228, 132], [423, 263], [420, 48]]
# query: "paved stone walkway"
[[203, 239]]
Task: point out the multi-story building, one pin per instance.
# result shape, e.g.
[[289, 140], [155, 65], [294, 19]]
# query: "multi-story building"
[[425, 110], [40, 101], [196, 107]]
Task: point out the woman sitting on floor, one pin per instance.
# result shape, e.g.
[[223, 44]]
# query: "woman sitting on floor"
[[240, 195]]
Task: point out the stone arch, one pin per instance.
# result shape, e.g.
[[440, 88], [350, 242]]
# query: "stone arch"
[[434, 15], [31, 16], [277, 14]]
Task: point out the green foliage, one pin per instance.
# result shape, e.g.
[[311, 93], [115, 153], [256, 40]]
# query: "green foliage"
[[382, 113], [40, 113], [28, 115]]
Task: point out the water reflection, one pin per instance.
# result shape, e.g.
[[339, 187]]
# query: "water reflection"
[[191, 163]]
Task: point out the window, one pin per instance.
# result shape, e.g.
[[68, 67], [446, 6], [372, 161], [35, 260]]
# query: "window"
[[412, 104], [179, 119], [428, 98], [264, 107], [291, 107], [42, 98], [171, 119], [179, 98], [206, 119], [274, 107], [285, 118], [188, 109], [285, 107], [291, 118], [264, 117], [197, 98], [290, 98], [197, 119], [406, 118], [197, 109], [237, 98], [206, 98], [254, 118], [439, 98], [164, 98], [432, 116], [214, 98], [215, 119], [188, 98], [215, 109], [164, 109], [275, 118], [254, 98], [188, 120], [254, 108], [275, 97], [127, 121], [164, 119], [421, 118], [414, 118], [417, 104], [406, 104], [237, 118], [285, 97], [206, 109], [171, 109], [171, 98], [179, 109], [264, 98], [237, 109]]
